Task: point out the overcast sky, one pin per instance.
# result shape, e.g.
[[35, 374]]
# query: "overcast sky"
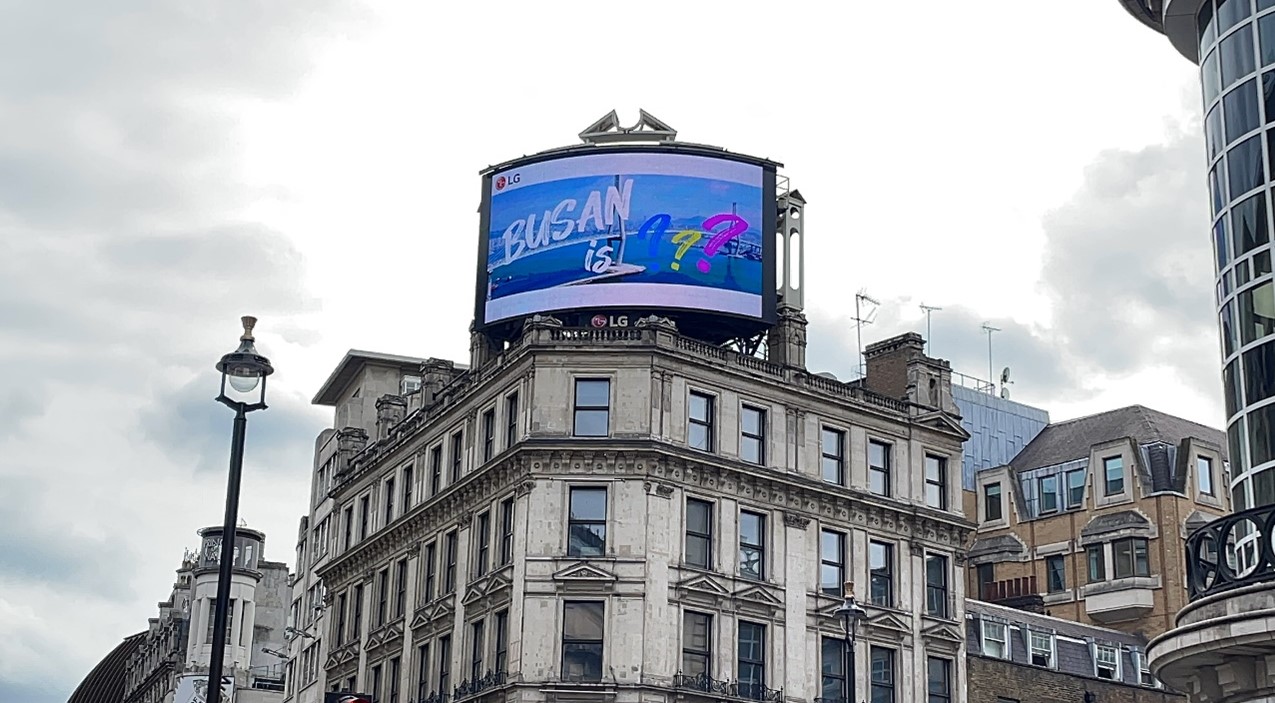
[[167, 167]]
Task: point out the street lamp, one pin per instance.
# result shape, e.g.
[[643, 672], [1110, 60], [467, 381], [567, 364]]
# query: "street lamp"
[[245, 370], [851, 615]]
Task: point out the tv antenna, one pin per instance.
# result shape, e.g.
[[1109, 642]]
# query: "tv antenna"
[[987, 327], [860, 320], [928, 309]]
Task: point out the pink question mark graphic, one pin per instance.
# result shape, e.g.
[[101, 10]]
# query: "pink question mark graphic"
[[737, 227]]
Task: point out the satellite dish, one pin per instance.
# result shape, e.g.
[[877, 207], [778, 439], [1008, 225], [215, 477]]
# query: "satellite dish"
[[1005, 375], [1004, 393]]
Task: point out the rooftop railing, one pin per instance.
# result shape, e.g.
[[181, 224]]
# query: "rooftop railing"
[[1231, 552]]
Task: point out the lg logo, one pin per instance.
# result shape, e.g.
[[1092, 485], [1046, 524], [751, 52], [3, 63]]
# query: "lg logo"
[[501, 181]]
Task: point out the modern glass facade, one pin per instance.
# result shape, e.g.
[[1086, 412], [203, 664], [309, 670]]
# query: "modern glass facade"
[[998, 428]]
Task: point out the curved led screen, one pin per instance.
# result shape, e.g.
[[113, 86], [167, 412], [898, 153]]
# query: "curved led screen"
[[627, 230]]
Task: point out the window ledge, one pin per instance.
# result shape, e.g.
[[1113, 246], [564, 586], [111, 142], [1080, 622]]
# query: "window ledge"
[[1064, 596]]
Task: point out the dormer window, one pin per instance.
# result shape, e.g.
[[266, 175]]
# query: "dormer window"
[[1113, 474]]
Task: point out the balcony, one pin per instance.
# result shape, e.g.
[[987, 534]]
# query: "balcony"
[[1018, 593], [1245, 539], [468, 688], [744, 690], [1121, 599]]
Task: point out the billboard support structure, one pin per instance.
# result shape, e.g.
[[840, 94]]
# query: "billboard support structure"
[[608, 130]]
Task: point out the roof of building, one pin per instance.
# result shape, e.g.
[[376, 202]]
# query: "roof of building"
[[350, 364], [105, 683]]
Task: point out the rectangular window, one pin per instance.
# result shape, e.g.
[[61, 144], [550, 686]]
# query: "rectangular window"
[[582, 636], [1113, 471], [476, 632], [936, 481], [1204, 474], [699, 533], [449, 568], [389, 500], [382, 595], [339, 635], [489, 435], [445, 665], [511, 420], [349, 527], [752, 435], [396, 666], [995, 639], [587, 522], [592, 407], [435, 469], [507, 531], [356, 618], [1097, 564], [699, 431], [833, 448], [502, 640], [697, 644], [938, 680], [752, 545], [1041, 645], [458, 456], [365, 513], [1055, 573], [992, 502], [1075, 488], [936, 585], [1048, 494], [408, 478], [832, 562], [881, 573], [482, 535], [1129, 558], [431, 572], [1106, 662], [212, 611], [422, 672], [879, 461], [375, 675], [832, 670], [400, 588], [881, 683], [1145, 677], [751, 668]]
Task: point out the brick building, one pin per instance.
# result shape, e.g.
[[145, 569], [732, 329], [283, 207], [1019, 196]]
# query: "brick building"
[[1092, 515]]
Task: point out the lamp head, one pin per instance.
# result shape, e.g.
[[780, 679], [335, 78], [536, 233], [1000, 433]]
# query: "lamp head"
[[244, 368]]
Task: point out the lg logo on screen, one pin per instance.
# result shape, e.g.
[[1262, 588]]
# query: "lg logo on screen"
[[501, 181]]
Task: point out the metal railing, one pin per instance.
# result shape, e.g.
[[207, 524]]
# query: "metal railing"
[[734, 689], [1232, 551], [473, 687]]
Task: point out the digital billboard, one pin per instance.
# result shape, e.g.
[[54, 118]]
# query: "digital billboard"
[[631, 230]]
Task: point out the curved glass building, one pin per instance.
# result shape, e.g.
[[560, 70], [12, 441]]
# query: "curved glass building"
[[1233, 42]]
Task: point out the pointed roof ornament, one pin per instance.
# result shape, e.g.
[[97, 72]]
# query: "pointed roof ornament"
[[648, 129]]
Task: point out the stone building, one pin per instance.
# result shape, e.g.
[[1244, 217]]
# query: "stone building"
[[1091, 516], [629, 513]]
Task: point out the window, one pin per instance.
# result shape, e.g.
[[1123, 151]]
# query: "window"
[[1113, 471], [458, 455], [431, 572], [1097, 565], [881, 682], [422, 672], [1204, 474], [1041, 645], [389, 500], [1129, 558], [449, 569], [936, 585], [697, 644], [832, 669], [349, 527], [408, 478], [339, 635], [511, 420], [1145, 677], [400, 588], [752, 435], [382, 595], [582, 629], [396, 665], [995, 639], [699, 432], [435, 469], [1075, 488], [356, 618], [476, 651], [592, 407], [212, 612], [483, 537], [936, 481], [502, 640], [1055, 573], [489, 434], [992, 502], [699, 533], [445, 664], [587, 522], [834, 456], [881, 573], [879, 468], [751, 668], [938, 680], [507, 531], [375, 675], [1048, 494], [752, 545], [832, 562], [1106, 662], [365, 512]]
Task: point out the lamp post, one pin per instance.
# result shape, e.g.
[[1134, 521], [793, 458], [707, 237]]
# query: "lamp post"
[[245, 370], [851, 614]]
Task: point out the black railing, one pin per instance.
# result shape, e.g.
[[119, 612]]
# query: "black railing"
[[735, 689], [1232, 551], [472, 688]]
